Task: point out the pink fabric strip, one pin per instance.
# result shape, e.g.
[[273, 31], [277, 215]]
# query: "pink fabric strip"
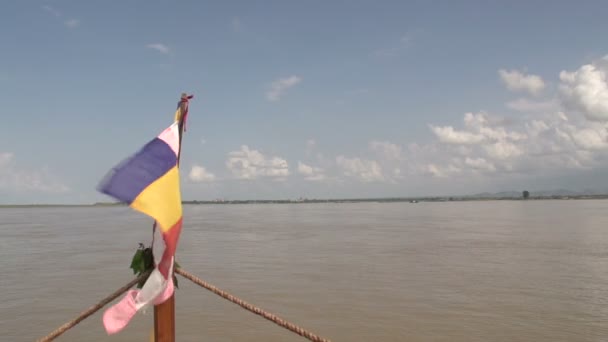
[[118, 316], [171, 136]]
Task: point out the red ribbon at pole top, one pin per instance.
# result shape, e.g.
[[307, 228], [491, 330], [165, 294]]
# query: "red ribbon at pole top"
[[183, 104]]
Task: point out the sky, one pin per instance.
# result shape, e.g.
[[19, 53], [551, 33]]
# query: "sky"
[[313, 99]]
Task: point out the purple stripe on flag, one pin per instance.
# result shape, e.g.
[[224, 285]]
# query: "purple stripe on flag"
[[133, 175]]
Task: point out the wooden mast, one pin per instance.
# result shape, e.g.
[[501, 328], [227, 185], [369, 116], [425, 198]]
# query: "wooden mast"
[[164, 314]]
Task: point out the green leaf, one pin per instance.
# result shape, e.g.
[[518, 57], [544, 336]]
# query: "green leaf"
[[143, 261], [141, 267], [137, 261], [148, 259]]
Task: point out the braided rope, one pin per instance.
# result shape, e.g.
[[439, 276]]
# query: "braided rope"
[[273, 318], [269, 316], [93, 309]]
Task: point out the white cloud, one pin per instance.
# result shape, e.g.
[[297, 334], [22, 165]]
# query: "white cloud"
[[503, 150], [480, 164], [251, 164], [590, 139], [435, 170], [278, 87], [586, 90], [310, 145], [406, 38], [310, 173], [481, 123], [518, 81], [449, 135], [5, 159], [72, 23], [391, 158], [199, 174], [304, 169], [398, 47], [51, 10], [547, 140], [387, 150], [536, 127], [478, 129], [545, 143], [162, 48], [15, 178], [526, 105], [361, 169]]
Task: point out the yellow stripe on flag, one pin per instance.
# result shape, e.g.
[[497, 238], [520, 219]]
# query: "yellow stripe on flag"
[[162, 200], [178, 114]]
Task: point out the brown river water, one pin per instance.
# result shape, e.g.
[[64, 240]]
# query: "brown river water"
[[452, 271]]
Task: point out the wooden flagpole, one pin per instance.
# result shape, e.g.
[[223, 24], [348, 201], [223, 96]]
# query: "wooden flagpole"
[[164, 314]]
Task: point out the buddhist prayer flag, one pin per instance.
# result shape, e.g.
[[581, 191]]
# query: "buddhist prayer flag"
[[149, 182]]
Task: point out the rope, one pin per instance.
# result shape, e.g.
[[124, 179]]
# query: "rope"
[[273, 318], [88, 312]]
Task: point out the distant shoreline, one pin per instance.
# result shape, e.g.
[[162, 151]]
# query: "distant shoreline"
[[344, 200]]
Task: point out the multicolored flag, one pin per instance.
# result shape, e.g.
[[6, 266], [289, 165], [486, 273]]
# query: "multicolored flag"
[[149, 182]]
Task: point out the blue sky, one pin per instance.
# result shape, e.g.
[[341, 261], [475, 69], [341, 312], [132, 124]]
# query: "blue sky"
[[319, 99]]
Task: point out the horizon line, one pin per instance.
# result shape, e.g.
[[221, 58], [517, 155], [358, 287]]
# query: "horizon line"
[[434, 198]]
